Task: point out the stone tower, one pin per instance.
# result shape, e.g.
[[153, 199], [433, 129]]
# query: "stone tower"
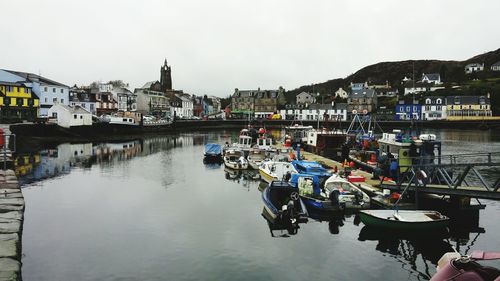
[[166, 77]]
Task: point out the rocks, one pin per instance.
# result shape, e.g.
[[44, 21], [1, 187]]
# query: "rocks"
[[11, 222]]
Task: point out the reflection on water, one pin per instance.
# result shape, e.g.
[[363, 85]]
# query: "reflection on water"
[[150, 209]]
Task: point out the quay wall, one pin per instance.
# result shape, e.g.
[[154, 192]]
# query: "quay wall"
[[109, 131], [11, 226]]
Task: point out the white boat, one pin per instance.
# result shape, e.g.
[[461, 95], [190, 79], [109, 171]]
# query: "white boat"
[[298, 133], [275, 170], [234, 158], [122, 120], [256, 157], [349, 195]]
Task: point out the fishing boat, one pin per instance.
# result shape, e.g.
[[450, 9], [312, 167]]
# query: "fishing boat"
[[297, 134], [273, 170], [349, 195], [404, 219], [282, 203], [234, 158], [311, 168], [256, 157], [212, 153], [314, 198]]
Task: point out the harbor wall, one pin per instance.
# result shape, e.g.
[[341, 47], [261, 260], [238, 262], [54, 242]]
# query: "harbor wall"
[[11, 226]]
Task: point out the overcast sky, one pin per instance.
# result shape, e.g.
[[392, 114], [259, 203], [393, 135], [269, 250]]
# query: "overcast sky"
[[215, 46]]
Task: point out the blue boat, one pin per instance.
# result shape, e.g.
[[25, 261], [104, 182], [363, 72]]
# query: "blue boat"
[[213, 153], [311, 168], [282, 203], [313, 195]]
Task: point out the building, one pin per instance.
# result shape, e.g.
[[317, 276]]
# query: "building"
[[420, 87], [84, 98], [433, 108], [17, 102], [408, 110], [495, 66], [260, 103], [152, 102], [105, 102], [387, 92], [362, 101], [126, 100], [468, 107], [305, 97], [69, 116], [48, 91], [358, 86], [340, 93], [325, 112], [186, 109], [166, 77], [474, 67], [433, 78]]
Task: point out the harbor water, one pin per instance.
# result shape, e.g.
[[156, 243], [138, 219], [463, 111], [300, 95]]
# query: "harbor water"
[[150, 209]]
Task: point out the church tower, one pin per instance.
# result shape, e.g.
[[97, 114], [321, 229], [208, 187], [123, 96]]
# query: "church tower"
[[166, 77]]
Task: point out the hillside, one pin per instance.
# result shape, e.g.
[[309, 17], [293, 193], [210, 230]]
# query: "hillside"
[[452, 72]]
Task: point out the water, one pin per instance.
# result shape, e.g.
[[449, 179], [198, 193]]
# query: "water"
[[150, 209]]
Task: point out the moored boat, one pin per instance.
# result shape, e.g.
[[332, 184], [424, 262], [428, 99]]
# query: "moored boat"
[[212, 152], [256, 157], [234, 158], [282, 203], [404, 219], [349, 195], [272, 170], [314, 198]]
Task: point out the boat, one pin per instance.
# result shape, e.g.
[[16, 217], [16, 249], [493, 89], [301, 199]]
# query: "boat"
[[311, 168], [118, 120], [326, 143], [314, 198], [234, 158], [297, 134], [404, 219], [273, 170], [349, 195], [256, 157], [282, 203], [212, 153]]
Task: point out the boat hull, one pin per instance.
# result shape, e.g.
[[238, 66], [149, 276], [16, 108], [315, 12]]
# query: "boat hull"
[[235, 165], [266, 177], [374, 221]]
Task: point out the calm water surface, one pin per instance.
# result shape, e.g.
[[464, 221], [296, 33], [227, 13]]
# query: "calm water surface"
[[149, 209]]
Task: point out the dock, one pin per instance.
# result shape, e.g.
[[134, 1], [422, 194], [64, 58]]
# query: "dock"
[[11, 226]]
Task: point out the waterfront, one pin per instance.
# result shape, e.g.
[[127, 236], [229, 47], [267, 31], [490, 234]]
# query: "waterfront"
[[150, 209]]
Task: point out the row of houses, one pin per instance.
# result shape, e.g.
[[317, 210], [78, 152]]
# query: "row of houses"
[[444, 108], [477, 67], [27, 96]]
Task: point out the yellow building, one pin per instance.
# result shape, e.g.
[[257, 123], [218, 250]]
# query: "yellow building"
[[17, 102], [468, 107]]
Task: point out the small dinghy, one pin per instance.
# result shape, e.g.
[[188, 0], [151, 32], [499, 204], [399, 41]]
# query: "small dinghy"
[[349, 195], [404, 219], [234, 158], [282, 203], [276, 170], [255, 158]]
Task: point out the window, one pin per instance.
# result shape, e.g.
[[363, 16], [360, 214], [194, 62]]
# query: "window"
[[45, 89], [54, 100], [74, 116], [62, 100], [407, 109], [54, 114], [81, 116], [53, 90], [45, 99], [62, 91], [438, 101], [428, 101]]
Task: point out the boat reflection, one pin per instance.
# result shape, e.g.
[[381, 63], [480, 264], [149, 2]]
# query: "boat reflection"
[[279, 228]]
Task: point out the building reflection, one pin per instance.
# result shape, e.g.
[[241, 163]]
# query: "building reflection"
[[48, 163]]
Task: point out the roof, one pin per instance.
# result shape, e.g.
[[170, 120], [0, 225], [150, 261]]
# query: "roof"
[[369, 93], [496, 63], [148, 85], [257, 93], [73, 109], [305, 93], [31, 77], [475, 64], [432, 76], [451, 100]]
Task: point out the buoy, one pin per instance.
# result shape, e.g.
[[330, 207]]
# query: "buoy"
[[351, 164]]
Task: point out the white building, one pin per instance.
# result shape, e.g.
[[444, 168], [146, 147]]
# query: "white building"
[[68, 116], [304, 98], [127, 101], [431, 78], [496, 66], [434, 108], [186, 110], [313, 112], [48, 91], [474, 67], [340, 93]]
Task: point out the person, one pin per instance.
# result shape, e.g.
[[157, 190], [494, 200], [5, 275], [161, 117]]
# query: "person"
[[394, 169]]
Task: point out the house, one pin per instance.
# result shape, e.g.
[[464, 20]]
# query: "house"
[[340, 93], [18, 102], [186, 110], [105, 102], [420, 87], [468, 107], [474, 67], [69, 116], [387, 92], [260, 103], [408, 110], [358, 86], [150, 101], [495, 66], [305, 97], [84, 98], [362, 101], [433, 108], [48, 91], [433, 78], [126, 100]]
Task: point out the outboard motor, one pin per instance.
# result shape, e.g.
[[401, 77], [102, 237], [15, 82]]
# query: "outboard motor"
[[334, 197]]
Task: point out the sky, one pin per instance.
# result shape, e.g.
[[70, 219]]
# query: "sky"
[[216, 46]]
